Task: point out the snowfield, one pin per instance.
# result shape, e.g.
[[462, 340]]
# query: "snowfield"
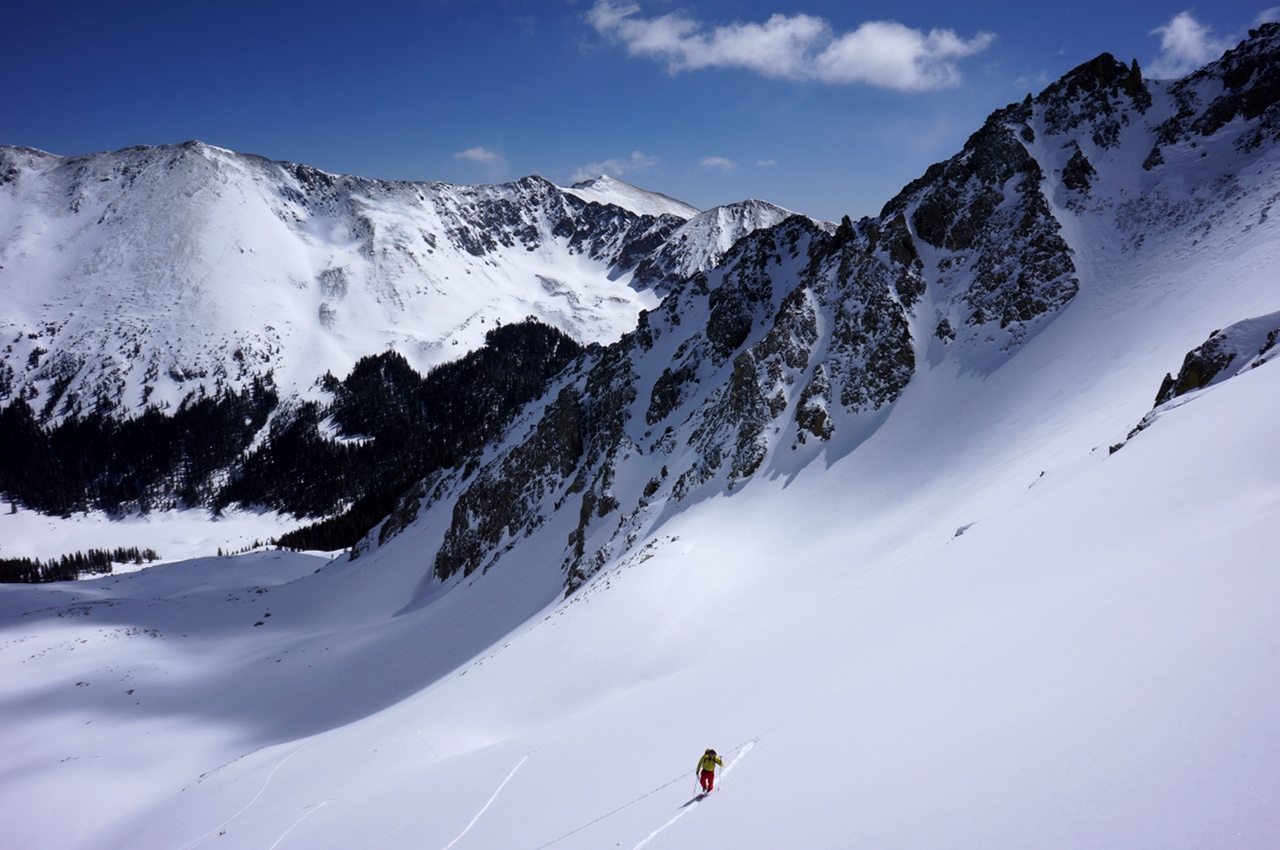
[[175, 535]]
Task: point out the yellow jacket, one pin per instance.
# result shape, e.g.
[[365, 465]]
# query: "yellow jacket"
[[709, 762]]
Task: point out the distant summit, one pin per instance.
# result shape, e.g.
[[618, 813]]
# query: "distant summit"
[[609, 191]]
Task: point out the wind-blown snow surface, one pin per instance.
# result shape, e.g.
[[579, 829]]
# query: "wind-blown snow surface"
[[980, 629]]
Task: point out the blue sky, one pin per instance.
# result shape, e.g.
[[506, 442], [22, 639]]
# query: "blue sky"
[[827, 108]]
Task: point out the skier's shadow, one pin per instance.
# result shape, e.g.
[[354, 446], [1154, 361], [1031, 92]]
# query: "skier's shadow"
[[698, 798]]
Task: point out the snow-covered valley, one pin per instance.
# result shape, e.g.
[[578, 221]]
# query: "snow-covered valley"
[[988, 611], [1091, 663]]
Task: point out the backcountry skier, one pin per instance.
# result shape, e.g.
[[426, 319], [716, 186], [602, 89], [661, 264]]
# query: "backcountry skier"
[[706, 770]]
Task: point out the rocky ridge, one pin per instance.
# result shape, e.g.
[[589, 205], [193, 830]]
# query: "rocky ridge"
[[803, 334]]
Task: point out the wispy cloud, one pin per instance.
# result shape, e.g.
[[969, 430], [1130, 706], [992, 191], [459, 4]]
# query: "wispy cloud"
[[481, 155], [797, 47], [619, 167], [725, 164], [1185, 44]]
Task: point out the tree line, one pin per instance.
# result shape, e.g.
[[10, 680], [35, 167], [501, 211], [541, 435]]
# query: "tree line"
[[343, 462], [154, 461], [73, 566], [409, 425]]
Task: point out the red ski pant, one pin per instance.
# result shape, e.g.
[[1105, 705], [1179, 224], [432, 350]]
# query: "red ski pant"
[[708, 779]]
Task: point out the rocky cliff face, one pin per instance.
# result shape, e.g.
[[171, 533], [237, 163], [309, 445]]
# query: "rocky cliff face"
[[1227, 353], [795, 331], [1242, 86], [701, 242], [803, 333]]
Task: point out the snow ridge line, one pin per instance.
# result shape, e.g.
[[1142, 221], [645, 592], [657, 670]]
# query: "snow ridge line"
[[490, 803], [745, 749]]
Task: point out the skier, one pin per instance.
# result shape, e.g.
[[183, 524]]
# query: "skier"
[[706, 770]]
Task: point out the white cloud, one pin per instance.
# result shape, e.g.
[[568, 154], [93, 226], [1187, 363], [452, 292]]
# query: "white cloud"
[[797, 47], [1267, 16], [1185, 44], [890, 55], [766, 163], [615, 167], [719, 162], [478, 154]]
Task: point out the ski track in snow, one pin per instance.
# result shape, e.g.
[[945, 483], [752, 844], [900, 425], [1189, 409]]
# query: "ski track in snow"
[[746, 749], [490, 803], [255, 799], [298, 821]]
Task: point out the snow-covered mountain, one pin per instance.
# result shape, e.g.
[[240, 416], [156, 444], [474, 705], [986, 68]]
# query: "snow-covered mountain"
[[161, 278], [702, 241], [149, 274], [797, 345], [883, 512], [609, 191]]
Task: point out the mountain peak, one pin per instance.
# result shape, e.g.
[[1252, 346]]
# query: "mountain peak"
[[198, 267], [609, 190]]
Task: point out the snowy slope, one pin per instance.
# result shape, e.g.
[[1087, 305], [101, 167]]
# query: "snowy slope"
[[796, 348], [956, 620], [148, 274], [610, 191], [1091, 663], [702, 241], [144, 275]]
